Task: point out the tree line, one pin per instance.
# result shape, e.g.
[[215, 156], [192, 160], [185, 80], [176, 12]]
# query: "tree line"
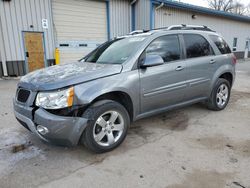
[[233, 6]]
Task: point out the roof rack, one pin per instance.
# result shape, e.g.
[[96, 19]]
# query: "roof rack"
[[189, 27], [182, 27], [136, 32], [172, 27]]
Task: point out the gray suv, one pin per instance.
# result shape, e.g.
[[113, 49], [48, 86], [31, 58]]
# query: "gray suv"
[[93, 101]]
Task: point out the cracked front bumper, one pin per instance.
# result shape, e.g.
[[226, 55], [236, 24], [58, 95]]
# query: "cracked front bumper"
[[61, 130]]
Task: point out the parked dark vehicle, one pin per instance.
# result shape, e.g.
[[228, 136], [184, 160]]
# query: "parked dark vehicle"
[[93, 101]]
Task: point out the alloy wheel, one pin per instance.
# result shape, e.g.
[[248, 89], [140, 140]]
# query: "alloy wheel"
[[222, 95], [108, 128]]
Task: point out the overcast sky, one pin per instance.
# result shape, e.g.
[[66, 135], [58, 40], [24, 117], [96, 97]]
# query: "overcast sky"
[[205, 4]]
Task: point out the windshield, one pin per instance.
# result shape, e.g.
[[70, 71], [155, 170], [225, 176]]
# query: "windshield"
[[115, 52]]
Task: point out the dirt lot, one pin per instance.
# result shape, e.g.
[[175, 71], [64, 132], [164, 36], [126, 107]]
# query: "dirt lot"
[[187, 148]]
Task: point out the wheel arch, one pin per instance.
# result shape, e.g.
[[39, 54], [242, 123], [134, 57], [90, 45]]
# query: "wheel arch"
[[228, 76], [119, 96], [226, 71]]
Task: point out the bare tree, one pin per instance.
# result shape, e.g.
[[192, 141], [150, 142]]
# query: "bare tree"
[[248, 10], [223, 5], [233, 6], [239, 8]]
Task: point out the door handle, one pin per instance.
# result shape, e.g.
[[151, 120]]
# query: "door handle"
[[212, 61], [179, 68], [27, 54]]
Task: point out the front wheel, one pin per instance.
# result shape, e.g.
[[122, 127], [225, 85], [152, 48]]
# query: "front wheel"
[[220, 95], [107, 126]]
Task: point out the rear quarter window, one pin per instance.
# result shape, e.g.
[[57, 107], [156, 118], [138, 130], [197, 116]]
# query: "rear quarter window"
[[221, 44]]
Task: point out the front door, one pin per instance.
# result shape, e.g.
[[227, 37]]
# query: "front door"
[[163, 85], [34, 50]]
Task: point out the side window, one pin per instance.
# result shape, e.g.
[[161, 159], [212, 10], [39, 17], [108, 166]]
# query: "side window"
[[166, 46], [221, 44], [197, 46]]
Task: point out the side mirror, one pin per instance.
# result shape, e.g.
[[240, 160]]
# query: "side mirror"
[[152, 60]]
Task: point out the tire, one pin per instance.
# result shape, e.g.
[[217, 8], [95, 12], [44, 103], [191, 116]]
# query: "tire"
[[105, 131], [220, 95]]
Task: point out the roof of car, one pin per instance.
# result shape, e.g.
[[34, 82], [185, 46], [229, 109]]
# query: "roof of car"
[[171, 29]]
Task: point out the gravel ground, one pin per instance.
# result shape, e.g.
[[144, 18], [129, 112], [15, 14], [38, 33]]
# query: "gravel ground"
[[187, 148]]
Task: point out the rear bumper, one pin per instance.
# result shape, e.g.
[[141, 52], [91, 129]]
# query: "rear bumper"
[[61, 130]]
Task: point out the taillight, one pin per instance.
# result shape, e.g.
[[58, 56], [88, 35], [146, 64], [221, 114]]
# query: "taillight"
[[234, 60]]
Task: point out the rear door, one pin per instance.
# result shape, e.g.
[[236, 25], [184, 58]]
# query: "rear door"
[[163, 85], [200, 62]]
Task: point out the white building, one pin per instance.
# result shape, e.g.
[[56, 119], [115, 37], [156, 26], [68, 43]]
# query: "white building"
[[30, 30]]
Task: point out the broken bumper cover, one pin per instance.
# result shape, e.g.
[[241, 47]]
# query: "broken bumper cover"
[[61, 130]]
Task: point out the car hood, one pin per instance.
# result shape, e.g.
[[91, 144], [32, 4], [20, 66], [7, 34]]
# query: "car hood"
[[64, 75]]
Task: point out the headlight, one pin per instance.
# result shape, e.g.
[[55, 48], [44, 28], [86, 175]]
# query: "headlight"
[[55, 99]]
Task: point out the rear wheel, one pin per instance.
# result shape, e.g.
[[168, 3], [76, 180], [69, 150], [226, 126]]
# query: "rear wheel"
[[107, 126], [220, 95]]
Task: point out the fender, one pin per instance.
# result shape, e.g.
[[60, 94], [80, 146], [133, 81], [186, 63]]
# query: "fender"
[[126, 82]]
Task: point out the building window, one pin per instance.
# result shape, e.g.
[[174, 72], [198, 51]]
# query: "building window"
[[235, 44], [247, 44]]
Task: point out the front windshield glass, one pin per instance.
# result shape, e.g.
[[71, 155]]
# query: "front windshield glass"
[[116, 51]]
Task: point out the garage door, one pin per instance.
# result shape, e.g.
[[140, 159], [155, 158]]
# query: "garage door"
[[80, 26]]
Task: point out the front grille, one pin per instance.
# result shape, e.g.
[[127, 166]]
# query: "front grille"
[[23, 95]]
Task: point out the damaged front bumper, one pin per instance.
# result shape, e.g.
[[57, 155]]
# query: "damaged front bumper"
[[61, 130]]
